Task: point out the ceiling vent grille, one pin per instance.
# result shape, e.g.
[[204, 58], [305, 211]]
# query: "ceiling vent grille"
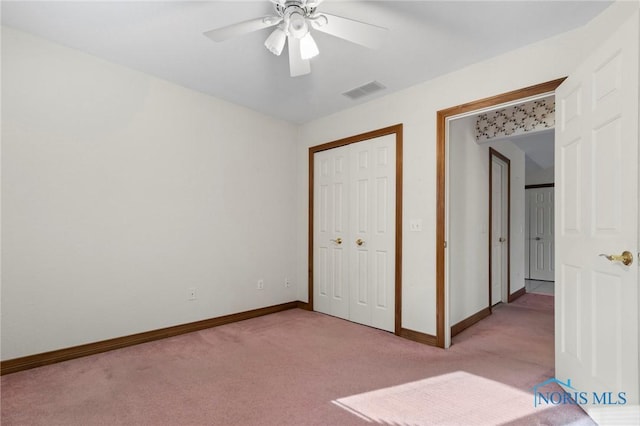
[[364, 90]]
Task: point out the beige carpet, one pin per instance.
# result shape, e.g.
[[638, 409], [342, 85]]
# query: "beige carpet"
[[286, 369]]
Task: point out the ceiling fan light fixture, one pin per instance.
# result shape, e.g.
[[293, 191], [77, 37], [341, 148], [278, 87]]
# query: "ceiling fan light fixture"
[[308, 47], [291, 22], [275, 42], [298, 27], [318, 21]]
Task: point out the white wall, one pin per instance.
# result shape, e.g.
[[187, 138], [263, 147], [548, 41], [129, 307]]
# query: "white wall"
[[120, 191], [540, 176], [416, 108], [469, 218]]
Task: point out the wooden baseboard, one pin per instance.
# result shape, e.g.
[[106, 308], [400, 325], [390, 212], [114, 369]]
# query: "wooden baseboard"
[[304, 305], [468, 322], [419, 337], [517, 294], [46, 358]]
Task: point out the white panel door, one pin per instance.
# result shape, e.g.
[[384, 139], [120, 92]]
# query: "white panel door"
[[372, 242], [499, 243], [541, 234], [354, 232], [331, 232], [597, 212]]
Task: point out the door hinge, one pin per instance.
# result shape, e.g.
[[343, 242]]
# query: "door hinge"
[[445, 244]]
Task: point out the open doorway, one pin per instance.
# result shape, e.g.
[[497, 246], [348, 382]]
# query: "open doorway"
[[540, 207], [486, 221], [455, 313]]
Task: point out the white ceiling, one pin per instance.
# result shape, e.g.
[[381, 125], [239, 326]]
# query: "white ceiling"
[[538, 148], [426, 39]]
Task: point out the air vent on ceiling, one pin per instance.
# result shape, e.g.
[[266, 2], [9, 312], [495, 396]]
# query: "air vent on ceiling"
[[364, 90]]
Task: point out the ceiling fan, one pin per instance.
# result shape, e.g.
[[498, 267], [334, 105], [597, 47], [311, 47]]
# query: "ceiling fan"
[[294, 20]]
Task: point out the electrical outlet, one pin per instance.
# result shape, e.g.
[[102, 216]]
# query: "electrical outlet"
[[192, 293], [260, 284], [415, 225], [287, 282]]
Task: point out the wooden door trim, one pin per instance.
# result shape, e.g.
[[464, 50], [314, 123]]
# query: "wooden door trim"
[[442, 117], [494, 153], [391, 130]]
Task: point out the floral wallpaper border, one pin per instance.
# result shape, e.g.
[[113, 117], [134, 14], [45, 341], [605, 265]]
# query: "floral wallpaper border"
[[517, 119]]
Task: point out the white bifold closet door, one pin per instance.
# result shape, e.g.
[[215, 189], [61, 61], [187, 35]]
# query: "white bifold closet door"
[[354, 232]]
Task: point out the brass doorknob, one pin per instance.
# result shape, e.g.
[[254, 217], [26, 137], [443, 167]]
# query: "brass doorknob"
[[337, 241], [359, 241], [626, 257]]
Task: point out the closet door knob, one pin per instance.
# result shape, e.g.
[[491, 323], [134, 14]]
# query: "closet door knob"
[[337, 241], [359, 241]]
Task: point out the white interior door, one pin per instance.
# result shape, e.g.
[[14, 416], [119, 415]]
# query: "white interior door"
[[354, 232], [541, 234], [499, 227], [597, 212], [331, 231], [372, 242]]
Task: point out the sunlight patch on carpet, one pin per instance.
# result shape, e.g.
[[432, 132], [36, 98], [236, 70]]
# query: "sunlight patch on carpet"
[[451, 399]]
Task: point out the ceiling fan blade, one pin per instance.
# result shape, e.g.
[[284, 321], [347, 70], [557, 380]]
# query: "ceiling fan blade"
[[241, 28], [361, 33], [297, 65]]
